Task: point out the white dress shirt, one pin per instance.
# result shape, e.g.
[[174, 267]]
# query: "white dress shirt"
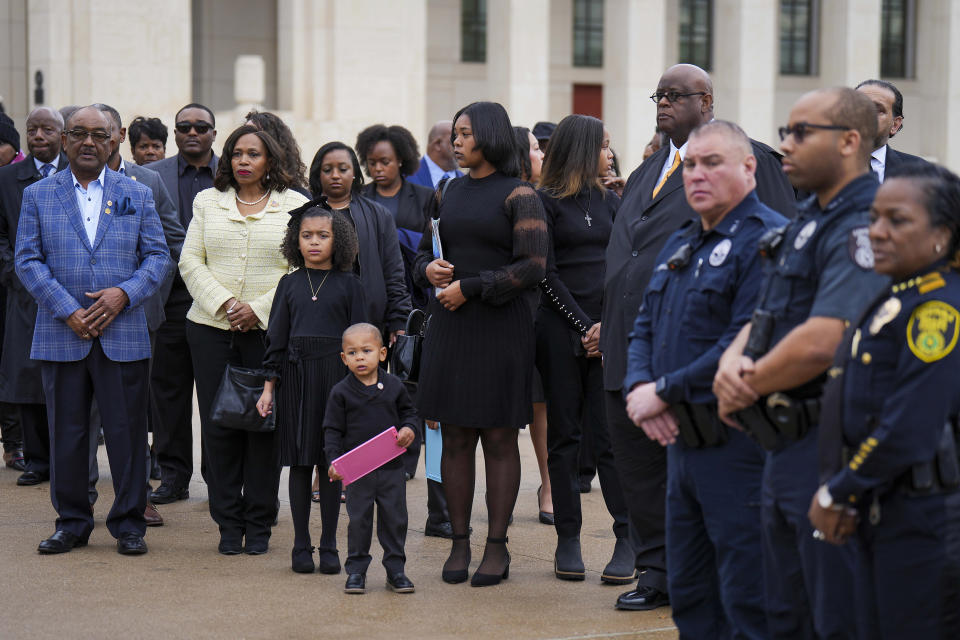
[[436, 173], [89, 201], [669, 161], [878, 161], [40, 164]]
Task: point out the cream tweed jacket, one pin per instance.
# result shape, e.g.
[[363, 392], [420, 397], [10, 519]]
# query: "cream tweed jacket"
[[226, 255]]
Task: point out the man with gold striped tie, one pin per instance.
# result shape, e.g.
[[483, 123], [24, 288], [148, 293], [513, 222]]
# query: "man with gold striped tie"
[[653, 207]]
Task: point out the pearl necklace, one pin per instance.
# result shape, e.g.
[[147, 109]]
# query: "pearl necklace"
[[257, 201]]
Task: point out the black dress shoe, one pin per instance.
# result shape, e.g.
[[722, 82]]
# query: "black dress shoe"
[[256, 546], [643, 598], [60, 542], [621, 569], [586, 484], [356, 583], [167, 493], [30, 478], [567, 561], [399, 583], [131, 544], [14, 460], [328, 561], [439, 529]]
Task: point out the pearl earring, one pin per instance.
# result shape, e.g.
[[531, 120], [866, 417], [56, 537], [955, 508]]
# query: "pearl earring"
[[938, 248]]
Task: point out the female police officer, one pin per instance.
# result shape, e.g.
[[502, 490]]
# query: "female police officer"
[[888, 439]]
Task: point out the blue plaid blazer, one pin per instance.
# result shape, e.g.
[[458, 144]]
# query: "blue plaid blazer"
[[57, 265]]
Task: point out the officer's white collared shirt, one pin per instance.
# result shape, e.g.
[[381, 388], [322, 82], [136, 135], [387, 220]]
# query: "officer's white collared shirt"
[[89, 201]]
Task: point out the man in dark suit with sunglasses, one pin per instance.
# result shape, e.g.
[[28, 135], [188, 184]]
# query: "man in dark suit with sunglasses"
[[185, 175]]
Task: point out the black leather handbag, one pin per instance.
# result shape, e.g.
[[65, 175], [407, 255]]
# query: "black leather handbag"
[[235, 405], [405, 359]]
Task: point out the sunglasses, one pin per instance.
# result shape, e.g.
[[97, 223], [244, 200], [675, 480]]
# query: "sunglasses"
[[801, 129], [200, 127]]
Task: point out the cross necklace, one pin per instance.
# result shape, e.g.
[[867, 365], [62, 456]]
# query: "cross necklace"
[[586, 212]]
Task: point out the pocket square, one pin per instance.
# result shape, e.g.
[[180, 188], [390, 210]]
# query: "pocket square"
[[125, 206]]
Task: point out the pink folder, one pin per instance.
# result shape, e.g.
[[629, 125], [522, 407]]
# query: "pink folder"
[[372, 454]]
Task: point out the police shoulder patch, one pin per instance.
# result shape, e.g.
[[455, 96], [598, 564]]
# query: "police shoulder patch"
[[858, 244], [932, 330]]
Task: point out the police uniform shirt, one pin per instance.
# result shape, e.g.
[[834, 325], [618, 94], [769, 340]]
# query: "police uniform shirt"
[[824, 265], [692, 312], [900, 382]]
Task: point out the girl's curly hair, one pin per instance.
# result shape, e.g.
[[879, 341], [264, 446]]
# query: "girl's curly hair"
[[345, 245]]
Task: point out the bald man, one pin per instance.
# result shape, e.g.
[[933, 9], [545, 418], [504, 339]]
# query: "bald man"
[[20, 383], [438, 162], [653, 207]]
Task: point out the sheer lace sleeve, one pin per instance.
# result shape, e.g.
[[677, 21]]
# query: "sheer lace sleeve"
[[530, 241]]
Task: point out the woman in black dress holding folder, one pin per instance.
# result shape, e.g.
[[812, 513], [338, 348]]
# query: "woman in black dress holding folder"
[[479, 347]]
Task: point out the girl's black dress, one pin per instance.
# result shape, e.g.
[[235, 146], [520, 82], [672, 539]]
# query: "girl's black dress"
[[303, 351], [477, 361]]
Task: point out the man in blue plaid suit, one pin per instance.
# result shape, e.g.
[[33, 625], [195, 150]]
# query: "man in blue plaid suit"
[[90, 249]]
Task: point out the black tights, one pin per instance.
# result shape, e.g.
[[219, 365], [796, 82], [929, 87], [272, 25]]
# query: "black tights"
[[300, 485], [501, 460]]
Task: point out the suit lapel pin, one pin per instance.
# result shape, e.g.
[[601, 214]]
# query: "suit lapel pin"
[[107, 211], [133, 177], [109, 203]]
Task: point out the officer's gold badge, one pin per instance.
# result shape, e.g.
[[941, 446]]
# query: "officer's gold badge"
[[887, 312], [932, 330]]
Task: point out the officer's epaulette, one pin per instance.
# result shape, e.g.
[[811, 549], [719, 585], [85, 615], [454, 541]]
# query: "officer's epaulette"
[[924, 284]]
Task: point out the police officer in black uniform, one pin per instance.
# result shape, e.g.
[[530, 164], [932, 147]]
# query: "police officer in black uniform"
[[818, 277], [702, 292], [889, 434]]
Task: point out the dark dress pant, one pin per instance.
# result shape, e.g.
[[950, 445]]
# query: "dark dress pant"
[[121, 390], [573, 387], [243, 468], [385, 488], [642, 466], [809, 584], [36, 438], [11, 434], [713, 539], [172, 399]]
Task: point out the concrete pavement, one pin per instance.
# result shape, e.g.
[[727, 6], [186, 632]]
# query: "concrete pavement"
[[184, 589]]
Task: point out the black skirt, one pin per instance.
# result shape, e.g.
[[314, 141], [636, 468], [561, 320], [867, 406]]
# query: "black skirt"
[[310, 370], [477, 364]]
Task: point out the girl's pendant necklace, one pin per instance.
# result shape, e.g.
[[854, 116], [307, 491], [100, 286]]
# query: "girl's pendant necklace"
[[313, 294]]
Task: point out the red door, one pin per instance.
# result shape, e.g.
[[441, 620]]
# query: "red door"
[[588, 100]]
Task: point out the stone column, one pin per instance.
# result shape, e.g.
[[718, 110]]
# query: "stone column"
[[746, 32], [518, 58], [634, 57], [849, 42]]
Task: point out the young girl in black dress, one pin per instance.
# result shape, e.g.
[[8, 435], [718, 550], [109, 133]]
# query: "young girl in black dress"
[[311, 309]]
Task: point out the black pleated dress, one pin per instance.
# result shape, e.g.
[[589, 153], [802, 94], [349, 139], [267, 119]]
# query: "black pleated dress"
[[477, 361], [303, 351]]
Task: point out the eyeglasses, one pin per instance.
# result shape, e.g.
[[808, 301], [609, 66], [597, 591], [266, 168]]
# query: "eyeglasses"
[[800, 130], [674, 96], [200, 127], [79, 135]]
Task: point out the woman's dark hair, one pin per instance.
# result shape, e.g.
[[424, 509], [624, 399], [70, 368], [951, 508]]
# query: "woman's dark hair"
[[275, 179], [345, 244], [493, 135], [278, 129], [941, 198], [522, 136], [315, 187], [573, 163], [400, 138], [153, 128]]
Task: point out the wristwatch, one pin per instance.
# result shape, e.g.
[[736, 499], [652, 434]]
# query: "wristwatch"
[[824, 499], [660, 387]]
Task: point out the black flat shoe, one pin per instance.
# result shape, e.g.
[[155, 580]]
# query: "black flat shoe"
[[230, 547], [302, 560], [621, 569], [356, 583], [256, 547], [586, 484], [399, 583], [456, 576], [328, 561], [60, 542], [438, 529], [491, 579], [167, 493], [567, 561], [31, 478], [545, 517], [131, 544], [643, 598]]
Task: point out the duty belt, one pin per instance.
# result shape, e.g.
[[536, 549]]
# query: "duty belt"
[[778, 419], [699, 424], [939, 475]]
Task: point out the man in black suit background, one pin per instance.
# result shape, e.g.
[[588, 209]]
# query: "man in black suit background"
[[653, 207], [184, 175], [20, 383], [889, 103]]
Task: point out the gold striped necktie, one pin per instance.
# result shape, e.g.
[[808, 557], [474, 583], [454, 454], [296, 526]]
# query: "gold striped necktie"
[[673, 167]]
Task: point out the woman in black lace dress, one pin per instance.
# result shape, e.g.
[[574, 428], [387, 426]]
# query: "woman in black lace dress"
[[479, 347]]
